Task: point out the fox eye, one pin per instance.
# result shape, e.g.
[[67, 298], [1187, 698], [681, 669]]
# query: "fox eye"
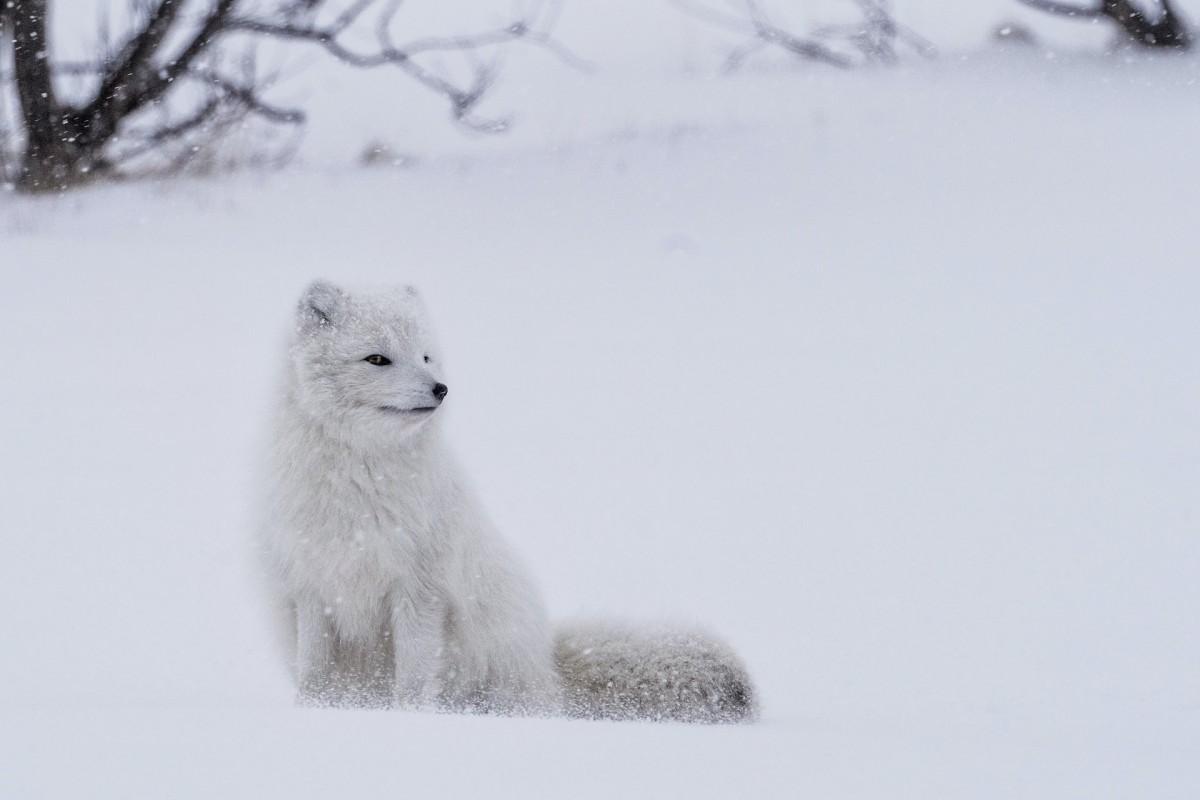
[[428, 359], [377, 360]]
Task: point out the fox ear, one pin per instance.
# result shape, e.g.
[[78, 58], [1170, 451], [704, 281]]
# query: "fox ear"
[[320, 304]]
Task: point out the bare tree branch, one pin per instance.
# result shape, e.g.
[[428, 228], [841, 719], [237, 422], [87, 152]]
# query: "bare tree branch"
[[805, 48], [841, 46], [463, 99], [127, 70], [247, 95], [64, 142], [1065, 9], [156, 137], [1169, 30], [877, 36], [214, 24]]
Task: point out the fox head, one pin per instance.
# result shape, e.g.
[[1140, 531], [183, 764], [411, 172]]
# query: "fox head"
[[365, 365]]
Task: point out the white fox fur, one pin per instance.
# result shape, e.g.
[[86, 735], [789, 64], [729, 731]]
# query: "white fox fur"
[[395, 588]]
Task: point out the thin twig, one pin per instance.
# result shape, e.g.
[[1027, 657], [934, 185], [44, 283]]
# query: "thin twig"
[[840, 46], [1066, 9]]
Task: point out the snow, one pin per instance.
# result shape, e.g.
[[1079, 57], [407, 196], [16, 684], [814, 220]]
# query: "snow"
[[889, 376]]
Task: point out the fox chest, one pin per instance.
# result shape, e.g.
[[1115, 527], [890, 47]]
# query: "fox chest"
[[360, 549]]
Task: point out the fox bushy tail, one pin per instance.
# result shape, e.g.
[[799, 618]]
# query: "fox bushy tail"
[[622, 671]]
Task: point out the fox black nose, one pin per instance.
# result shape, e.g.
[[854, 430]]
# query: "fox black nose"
[[439, 391]]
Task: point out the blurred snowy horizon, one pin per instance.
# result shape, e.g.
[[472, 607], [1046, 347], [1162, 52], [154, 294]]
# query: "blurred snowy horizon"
[[634, 54]]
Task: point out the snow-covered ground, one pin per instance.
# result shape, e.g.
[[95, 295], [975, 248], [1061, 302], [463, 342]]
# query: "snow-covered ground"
[[890, 376]]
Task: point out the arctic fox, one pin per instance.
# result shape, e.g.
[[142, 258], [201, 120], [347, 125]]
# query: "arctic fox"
[[393, 586]]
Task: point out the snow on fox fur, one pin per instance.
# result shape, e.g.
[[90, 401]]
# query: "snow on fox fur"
[[393, 587]]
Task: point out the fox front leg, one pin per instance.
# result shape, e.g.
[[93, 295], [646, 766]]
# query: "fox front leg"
[[417, 648], [315, 657]]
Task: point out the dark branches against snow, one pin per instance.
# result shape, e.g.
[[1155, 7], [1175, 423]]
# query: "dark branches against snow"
[[1165, 29], [387, 53], [247, 95], [873, 38], [173, 67]]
